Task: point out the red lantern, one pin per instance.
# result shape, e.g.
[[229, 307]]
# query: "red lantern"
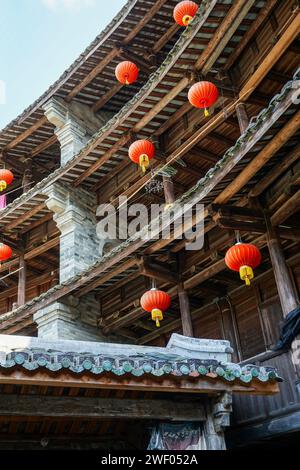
[[5, 252], [141, 152], [6, 177], [243, 257], [127, 72], [184, 12], [156, 301], [203, 95]]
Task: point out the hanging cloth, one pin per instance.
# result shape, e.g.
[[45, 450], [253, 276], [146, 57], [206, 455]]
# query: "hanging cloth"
[[3, 203], [290, 329], [186, 436]]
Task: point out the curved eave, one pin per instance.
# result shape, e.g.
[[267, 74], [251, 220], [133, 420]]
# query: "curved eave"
[[191, 43], [121, 261], [118, 29]]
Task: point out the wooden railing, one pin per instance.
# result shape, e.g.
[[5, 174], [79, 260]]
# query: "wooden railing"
[[248, 409]]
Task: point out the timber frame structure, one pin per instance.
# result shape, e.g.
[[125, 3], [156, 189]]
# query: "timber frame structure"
[[69, 154]]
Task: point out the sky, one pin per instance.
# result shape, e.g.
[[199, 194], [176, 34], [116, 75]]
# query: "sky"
[[39, 39]]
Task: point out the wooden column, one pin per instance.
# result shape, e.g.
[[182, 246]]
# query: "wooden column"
[[241, 113], [27, 177], [285, 286], [186, 319], [22, 281], [168, 190]]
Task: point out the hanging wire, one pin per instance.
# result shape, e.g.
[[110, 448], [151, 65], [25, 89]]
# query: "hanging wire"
[[18, 188]]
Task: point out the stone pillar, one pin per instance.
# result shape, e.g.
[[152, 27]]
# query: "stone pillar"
[[71, 319], [74, 213], [74, 125]]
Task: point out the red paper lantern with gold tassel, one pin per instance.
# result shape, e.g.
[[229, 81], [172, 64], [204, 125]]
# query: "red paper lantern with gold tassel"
[[5, 252], [141, 152], [6, 177], [203, 95], [184, 12], [156, 301], [243, 258], [127, 72]]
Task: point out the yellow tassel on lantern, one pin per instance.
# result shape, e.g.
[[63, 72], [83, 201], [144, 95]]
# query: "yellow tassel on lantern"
[[246, 274], [3, 185], [144, 162], [206, 112], [127, 82], [157, 316], [187, 19]]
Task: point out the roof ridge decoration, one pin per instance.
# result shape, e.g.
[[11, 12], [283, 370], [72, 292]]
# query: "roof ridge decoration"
[[54, 361], [253, 126], [204, 10]]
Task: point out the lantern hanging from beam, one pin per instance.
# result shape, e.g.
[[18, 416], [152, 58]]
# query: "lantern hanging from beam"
[[243, 258], [203, 95], [141, 152], [156, 301], [127, 72], [6, 177], [5, 252], [184, 12]]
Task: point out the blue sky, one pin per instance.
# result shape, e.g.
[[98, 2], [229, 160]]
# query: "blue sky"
[[39, 40]]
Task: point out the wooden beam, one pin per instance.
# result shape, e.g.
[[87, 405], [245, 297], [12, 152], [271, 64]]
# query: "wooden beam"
[[155, 271], [248, 35], [38, 250], [37, 223], [106, 97], [210, 306], [161, 104], [116, 50], [165, 37], [145, 383], [129, 250], [225, 31], [43, 146], [39, 123], [25, 216], [93, 73], [288, 36], [260, 160], [276, 171], [105, 277], [101, 408], [102, 160], [287, 209]]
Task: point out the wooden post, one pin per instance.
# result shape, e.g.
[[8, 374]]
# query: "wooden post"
[[168, 190], [186, 319], [285, 286], [242, 116], [27, 177], [286, 290], [22, 281]]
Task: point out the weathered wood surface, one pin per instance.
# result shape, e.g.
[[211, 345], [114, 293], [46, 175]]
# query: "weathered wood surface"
[[149, 384], [104, 408], [186, 319]]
